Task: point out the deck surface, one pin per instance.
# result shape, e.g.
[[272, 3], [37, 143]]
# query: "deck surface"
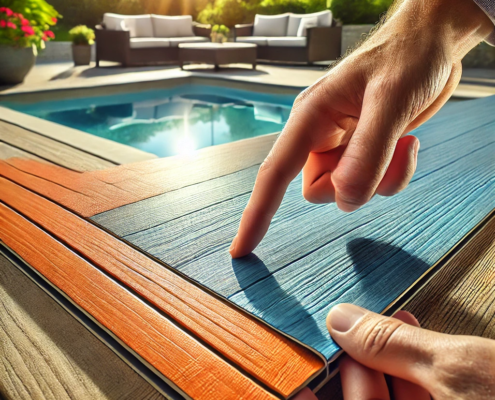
[[303, 267], [212, 200]]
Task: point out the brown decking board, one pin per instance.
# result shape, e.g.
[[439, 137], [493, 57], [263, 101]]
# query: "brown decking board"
[[274, 360], [51, 150], [94, 192], [460, 299]]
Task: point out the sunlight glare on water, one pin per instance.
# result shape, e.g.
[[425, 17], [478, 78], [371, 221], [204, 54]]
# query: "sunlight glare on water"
[[173, 121]]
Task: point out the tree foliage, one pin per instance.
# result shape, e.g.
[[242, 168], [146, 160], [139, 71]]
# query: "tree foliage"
[[231, 12], [359, 11], [90, 12]]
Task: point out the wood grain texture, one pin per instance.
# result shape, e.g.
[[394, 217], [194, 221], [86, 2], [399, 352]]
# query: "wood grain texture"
[[315, 256], [7, 151], [105, 149], [47, 354], [273, 359], [460, 299], [90, 193], [190, 366], [51, 150]]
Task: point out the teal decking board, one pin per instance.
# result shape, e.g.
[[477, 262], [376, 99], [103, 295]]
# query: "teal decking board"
[[315, 256]]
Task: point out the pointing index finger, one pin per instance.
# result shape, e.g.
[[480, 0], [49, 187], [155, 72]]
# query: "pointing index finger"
[[285, 161]]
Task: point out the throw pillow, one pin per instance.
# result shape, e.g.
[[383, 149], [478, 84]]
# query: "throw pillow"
[[307, 22]]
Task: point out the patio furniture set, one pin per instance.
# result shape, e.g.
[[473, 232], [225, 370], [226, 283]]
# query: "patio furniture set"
[[145, 39]]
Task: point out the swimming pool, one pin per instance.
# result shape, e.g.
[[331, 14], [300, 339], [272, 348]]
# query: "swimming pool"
[[171, 121]]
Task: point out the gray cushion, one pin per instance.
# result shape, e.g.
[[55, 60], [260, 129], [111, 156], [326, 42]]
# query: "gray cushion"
[[146, 43], [285, 41], [137, 25], [174, 42], [324, 19], [270, 25], [166, 26], [259, 40]]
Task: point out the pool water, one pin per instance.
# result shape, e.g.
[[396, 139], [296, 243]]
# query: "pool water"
[[173, 121]]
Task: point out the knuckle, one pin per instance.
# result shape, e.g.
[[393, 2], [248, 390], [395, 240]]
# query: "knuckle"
[[351, 193], [265, 166], [268, 168], [355, 181], [379, 334]]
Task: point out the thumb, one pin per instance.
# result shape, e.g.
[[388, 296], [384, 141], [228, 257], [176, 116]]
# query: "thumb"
[[383, 343]]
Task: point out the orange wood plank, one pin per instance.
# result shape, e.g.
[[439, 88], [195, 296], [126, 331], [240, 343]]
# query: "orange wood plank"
[[194, 369], [93, 192], [275, 360]]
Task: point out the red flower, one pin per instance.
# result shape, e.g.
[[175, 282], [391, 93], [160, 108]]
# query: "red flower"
[[7, 11], [3, 24], [44, 38], [50, 34], [24, 22], [11, 25], [54, 20], [29, 31]]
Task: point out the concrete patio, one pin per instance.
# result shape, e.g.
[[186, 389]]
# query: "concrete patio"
[[475, 83]]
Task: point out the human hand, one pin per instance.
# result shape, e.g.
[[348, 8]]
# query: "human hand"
[[419, 362], [348, 129]]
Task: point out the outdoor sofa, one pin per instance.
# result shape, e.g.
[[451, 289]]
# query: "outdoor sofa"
[[293, 37], [145, 39]]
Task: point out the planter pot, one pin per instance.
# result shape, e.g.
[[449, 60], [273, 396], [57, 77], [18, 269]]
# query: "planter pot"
[[81, 54], [218, 37], [15, 64]]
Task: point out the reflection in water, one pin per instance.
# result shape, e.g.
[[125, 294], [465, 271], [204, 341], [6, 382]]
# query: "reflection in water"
[[175, 125]]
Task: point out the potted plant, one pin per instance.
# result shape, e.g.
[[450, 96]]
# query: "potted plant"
[[82, 39], [219, 33], [24, 28]]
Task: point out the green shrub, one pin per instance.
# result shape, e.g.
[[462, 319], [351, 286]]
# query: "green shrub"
[[359, 11], [228, 12], [220, 29], [90, 12], [82, 35], [271, 7]]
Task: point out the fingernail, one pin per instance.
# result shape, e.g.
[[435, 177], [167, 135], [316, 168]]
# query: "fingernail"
[[343, 317], [232, 246]]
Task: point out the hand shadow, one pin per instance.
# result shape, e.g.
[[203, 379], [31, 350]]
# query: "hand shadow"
[[385, 273], [265, 298]]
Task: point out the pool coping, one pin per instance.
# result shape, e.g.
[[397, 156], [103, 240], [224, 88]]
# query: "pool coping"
[[112, 88], [106, 149]]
